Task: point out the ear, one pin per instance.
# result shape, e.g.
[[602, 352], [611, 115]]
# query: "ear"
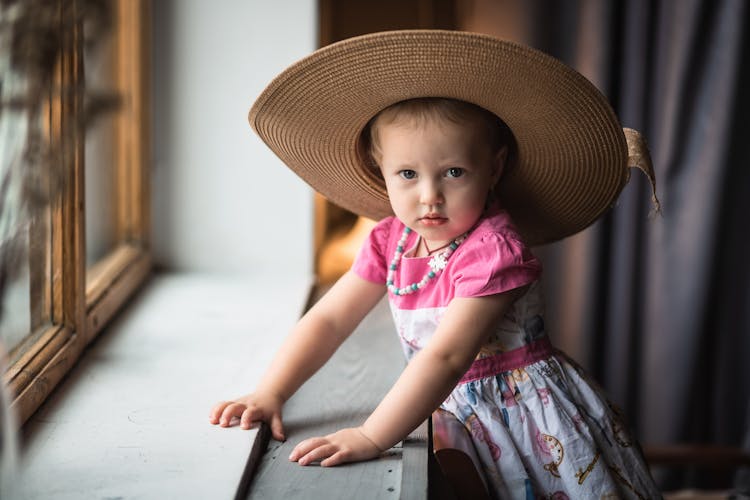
[[498, 164]]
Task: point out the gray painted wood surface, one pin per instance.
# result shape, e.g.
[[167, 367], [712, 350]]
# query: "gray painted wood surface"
[[131, 420], [342, 394]]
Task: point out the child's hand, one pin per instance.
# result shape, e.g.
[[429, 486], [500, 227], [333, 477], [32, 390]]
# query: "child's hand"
[[256, 407], [346, 445]]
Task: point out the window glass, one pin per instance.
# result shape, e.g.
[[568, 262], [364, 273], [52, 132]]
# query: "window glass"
[[15, 315], [100, 161], [15, 323]]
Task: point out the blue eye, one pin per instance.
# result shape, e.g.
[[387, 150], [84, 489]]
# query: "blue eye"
[[455, 172], [407, 174]]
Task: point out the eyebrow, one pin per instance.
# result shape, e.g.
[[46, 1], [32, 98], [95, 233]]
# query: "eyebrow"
[[448, 163], [400, 166]]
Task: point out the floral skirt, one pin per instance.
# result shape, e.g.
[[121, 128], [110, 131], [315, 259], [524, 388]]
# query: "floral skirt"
[[542, 429]]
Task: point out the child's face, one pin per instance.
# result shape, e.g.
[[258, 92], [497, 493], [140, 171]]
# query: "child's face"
[[438, 176]]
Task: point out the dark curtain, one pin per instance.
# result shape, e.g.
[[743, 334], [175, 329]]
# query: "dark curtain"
[[658, 307]]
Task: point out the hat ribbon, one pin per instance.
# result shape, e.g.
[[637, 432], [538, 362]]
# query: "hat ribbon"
[[639, 157]]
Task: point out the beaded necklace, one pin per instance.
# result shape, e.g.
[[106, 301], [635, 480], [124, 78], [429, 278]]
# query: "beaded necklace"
[[437, 264]]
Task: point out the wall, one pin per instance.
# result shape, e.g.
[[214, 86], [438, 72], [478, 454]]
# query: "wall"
[[222, 202]]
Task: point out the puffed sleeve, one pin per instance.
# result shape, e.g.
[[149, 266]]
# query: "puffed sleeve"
[[494, 262], [371, 261]]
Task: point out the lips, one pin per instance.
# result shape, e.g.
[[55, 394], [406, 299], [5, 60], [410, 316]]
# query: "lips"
[[433, 220]]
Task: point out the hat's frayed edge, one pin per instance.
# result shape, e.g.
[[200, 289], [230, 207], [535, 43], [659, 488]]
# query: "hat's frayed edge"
[[639, 157]]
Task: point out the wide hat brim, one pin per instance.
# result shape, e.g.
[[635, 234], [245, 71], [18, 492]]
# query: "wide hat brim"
[[572, 157]]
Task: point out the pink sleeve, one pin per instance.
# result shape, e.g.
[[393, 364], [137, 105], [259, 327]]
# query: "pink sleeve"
[[496, 263], [371, 262]]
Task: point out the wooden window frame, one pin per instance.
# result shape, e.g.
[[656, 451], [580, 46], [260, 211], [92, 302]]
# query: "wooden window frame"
[[111, 280], [80, 301]]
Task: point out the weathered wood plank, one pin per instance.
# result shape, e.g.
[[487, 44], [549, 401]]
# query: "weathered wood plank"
[[414, 468], [342, 394]]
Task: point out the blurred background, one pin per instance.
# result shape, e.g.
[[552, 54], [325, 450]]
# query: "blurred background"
[[657, 307]]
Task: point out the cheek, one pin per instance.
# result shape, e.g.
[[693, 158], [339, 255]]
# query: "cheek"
[[390, 190], [399, 203], [397, 188], [475, 191], [396, 196], [474, 199]]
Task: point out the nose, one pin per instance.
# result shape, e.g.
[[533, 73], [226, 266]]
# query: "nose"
[[431, 193]]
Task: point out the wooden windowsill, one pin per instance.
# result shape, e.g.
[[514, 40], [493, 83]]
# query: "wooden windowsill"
[[131, 419]]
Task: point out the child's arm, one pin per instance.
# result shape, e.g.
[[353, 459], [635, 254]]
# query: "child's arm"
[[425, 383], [311, 343]]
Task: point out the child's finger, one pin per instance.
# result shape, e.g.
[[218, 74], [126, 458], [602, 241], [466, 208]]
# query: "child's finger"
[[277, 428], [216, 412], [306, 447], [249, 415], [318, 454], [337, 458], [230, 411]]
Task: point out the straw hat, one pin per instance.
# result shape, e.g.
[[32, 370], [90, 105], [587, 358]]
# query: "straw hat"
[[572, 158]]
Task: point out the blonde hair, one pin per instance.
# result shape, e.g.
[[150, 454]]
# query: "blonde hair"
[[423, 110]]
